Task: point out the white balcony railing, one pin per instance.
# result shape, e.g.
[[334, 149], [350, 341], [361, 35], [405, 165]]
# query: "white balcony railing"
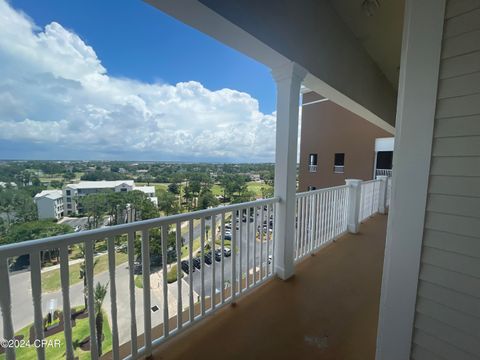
[[383, 172], [369, 199], [227, 277], [321, 216], [312, 168]]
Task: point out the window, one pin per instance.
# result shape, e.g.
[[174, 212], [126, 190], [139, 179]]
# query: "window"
[[68, 192], [123, 189], [312, 162], [311, 188], [339, 163]]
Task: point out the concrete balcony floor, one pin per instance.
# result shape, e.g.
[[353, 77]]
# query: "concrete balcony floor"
[[328, 310]]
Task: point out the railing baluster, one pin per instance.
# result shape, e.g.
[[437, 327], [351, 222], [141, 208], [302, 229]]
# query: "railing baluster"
[[317, 221], [65, 281], [255, 228], [234, 255], [166, 317], [273, 238], [222, 279], [113, 296], [240, 245], [36, 280], [131, 283], [268, 242], [203, 265], [146, 291], [297, 230], [178, 245], [90, 300], [261, 243], [247, 240], [190, 269], [6, 306], [213, 235]]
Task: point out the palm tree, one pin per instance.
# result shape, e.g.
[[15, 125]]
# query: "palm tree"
[[99, 296]]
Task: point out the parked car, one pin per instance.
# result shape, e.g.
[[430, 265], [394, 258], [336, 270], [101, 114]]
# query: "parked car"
[[227, 237], [197, 263], [186, 267], [227, 252], [137, 268], [208, 258], [218, 255]]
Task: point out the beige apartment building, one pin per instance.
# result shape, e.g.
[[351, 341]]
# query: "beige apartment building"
[[336, 144]]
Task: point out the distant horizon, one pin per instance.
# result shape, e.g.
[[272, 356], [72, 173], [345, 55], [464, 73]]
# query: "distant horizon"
[[139, 161]]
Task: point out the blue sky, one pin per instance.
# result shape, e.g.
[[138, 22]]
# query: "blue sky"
[[78, 69], [138, 41]]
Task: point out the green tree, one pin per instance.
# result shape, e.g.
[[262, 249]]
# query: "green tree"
[[174, 188], [167, 202], [99, 297], [94, 206], [83, 273], [207, 200]]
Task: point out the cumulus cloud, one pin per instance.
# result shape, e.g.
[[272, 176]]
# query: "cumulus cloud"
[[54, 91]]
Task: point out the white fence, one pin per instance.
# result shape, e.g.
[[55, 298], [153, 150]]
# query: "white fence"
[[321, 217], [250, 263], [235, 245], [369, 199]]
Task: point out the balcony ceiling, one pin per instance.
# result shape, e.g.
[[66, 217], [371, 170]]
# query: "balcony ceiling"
[[380, 34]]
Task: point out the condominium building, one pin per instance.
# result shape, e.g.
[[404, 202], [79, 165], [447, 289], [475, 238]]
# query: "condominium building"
[[337, 144], [49, 204], [72, 192]]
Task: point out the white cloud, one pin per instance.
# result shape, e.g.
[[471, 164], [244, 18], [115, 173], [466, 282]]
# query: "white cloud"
[[55, 91]]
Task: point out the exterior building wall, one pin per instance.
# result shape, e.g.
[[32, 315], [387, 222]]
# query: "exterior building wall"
[[447, 318], [49, 208], [327, 128]]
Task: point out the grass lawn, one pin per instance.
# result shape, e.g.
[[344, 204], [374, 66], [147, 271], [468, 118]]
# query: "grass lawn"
[[256, 187], [79, 332], [51, 279]]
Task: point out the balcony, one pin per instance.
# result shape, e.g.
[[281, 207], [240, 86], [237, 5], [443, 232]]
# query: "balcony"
[[324, 306], [383, 172]]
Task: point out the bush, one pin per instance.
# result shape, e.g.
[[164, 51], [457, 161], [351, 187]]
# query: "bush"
[[172, 274]]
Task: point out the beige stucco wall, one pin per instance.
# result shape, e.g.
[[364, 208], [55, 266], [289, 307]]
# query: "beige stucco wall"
[[327, 129]]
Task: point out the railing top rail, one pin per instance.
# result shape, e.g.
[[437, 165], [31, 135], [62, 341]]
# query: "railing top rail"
[[52, 242], [370, 181], [312, 192]]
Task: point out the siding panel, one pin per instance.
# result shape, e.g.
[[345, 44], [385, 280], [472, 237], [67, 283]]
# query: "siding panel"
[[462, 44], [451, 261], [458, 126], [459, 86], [452, 280], [458, 106], [465, 245], [458, 320], [440, 348], [453, 224], [451, 298], [460, 65], [470, 344], [458, 7], [455, 205], [454, 185], [466, 22], [456, 166]]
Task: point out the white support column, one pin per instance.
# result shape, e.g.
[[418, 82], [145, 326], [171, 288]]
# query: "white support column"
[[288, 77], [354, 188], [417, 93], [382, 200]]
